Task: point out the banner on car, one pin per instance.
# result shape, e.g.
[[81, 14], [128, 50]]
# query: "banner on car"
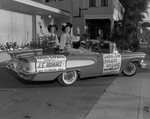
[[111, 63], [50, 63]]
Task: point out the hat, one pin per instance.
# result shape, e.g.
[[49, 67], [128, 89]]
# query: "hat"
[[66, 24], [52, 25]]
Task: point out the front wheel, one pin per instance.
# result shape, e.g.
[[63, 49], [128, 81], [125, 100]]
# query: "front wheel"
[[130, 69], [68, 78]]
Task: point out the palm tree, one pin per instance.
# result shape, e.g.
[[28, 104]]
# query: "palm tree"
[[134, 8], [133, 14]]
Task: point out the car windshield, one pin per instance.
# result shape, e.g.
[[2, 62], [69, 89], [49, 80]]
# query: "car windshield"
[[105, 48]]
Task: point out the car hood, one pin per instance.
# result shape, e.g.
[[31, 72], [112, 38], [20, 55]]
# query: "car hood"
[[133, 54]]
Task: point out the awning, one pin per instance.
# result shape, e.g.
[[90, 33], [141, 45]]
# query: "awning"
[[117, 15], [32, 7]]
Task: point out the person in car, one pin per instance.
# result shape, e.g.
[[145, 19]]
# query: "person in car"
[[50, 34], [67, 38]]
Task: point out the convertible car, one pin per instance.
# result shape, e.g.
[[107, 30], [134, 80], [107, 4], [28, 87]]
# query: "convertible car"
[[67, 67]]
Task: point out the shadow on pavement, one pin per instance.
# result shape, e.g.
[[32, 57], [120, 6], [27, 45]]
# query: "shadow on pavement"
[[9, 81]]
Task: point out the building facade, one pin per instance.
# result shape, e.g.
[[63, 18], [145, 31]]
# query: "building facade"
[[94, 17], [19, 18]]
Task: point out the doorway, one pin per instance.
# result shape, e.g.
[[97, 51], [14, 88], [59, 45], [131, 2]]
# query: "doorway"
[[95, 26]]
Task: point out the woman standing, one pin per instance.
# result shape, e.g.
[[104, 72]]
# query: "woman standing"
[[67, 38]]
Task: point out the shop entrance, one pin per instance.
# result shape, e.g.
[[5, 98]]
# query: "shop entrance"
[[98, 27]]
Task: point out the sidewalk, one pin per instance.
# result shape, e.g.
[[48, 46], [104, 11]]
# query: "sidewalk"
[[126, 97]]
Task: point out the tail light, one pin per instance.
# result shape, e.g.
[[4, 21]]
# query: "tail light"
[[26, 67], [19, 66]]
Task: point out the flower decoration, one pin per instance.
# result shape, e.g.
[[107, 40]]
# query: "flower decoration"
[[64, 24]]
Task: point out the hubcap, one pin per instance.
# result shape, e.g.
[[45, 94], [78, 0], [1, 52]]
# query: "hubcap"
[[130, 69], [69, 77]]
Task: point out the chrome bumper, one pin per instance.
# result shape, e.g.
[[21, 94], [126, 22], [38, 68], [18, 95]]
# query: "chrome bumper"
[[143, 65], [11, 66]]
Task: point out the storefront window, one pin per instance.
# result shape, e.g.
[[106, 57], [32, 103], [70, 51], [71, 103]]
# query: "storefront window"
[[104, 2], [92, 3]]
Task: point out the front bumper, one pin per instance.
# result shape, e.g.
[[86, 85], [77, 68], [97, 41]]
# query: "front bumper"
[[143, 65]]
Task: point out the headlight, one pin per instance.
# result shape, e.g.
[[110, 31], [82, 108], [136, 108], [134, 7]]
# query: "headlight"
[[143, 65], [142, 61]]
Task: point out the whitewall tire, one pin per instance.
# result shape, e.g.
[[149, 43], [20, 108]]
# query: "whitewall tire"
[[68, 78], [130, 69]]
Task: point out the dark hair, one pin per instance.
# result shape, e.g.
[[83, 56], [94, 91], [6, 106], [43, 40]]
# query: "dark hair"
[[64, 25], [50, 26]]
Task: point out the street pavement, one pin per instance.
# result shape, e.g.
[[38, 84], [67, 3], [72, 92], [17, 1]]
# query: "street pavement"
[[49, 100], [126, 97]]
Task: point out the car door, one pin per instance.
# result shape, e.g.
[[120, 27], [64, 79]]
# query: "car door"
[[109, 62]]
